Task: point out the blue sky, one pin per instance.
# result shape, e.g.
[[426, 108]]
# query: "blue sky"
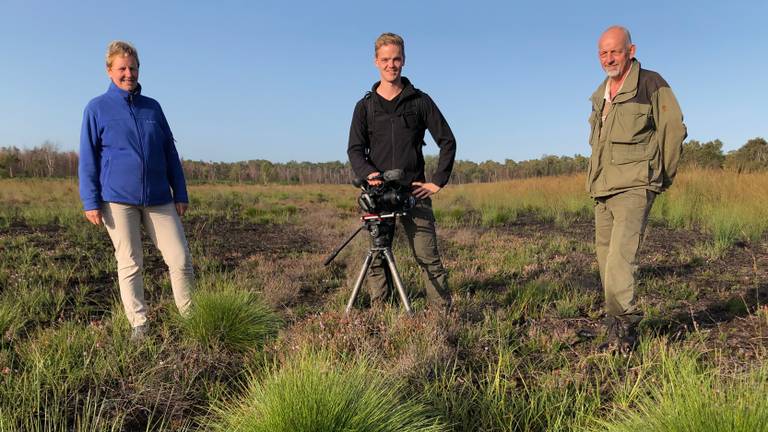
[[243, 80]]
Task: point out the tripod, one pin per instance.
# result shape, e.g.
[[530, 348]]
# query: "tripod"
[[381, 228]]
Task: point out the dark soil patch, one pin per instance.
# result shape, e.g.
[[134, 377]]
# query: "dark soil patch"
[[235, 241], [47, 233]]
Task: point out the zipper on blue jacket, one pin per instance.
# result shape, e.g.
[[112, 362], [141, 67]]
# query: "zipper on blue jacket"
[[141, 149]]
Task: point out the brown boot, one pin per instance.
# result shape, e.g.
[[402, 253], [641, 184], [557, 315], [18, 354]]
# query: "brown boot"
[[620, 334], [629, 337], [613, 335]]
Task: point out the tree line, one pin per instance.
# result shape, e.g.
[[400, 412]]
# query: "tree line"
[[47, 161]]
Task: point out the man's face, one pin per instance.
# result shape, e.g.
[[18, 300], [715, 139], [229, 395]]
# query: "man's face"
[[390, 61], [124, 72], [614, 53]]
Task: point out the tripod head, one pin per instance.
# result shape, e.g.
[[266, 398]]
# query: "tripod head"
[[381, 228]]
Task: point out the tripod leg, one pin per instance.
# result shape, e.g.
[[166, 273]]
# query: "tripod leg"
[[398, 282], [359, 281]]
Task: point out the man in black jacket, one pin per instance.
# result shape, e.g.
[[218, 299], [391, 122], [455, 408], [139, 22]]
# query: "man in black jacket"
[[387, 132]]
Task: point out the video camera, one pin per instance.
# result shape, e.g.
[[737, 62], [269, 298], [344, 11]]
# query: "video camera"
[[390, 196]]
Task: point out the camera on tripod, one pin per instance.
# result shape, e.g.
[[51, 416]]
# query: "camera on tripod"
[[389, 196], [382, 204]]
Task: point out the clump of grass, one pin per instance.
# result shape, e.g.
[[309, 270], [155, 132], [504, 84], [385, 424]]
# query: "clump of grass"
[[229, 318], [312, 393], [688, 397], [456, 215], [530, 299], [504, 396], [51, 414], [9, 315], [43, 387], [274, 214], [575, 303], [29, 306], [64, 356], [496, 215]]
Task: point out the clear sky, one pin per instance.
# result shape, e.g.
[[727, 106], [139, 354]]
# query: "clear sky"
[[273, 80]]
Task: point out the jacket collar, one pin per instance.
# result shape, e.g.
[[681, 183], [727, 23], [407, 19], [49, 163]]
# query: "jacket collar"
[[116, 91], [408, 89], [627, 91]]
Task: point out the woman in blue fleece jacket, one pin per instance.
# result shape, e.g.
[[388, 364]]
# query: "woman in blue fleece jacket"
[[131, 175]]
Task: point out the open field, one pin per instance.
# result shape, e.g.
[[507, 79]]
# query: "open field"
[[269, 348]]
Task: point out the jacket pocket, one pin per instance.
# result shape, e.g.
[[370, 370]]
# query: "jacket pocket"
[[632, 123], [624, 153], [410, 120], [630, 166], [106, 171]]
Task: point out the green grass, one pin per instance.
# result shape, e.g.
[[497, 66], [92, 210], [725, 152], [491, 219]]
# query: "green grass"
[[229, 318], [44, 389], [274, 214], [312, 393], [504, 396], [687, 396]]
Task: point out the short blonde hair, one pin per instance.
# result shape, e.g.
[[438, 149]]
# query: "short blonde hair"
[[389, 39], [120, 48]]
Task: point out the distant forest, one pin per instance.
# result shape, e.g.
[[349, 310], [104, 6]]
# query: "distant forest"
[[47, 161]]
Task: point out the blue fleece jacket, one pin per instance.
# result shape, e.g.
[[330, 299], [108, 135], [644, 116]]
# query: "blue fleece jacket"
[[127, 154]]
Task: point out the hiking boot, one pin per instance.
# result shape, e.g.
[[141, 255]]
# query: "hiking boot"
[[629, 338], [613, 334], [620, 334], [138, 333]]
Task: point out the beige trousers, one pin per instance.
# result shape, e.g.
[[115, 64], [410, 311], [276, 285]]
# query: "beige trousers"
[[164, 227], [620, 222]]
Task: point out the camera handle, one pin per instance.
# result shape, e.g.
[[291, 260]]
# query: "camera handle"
[[366, 220], [342, 245]]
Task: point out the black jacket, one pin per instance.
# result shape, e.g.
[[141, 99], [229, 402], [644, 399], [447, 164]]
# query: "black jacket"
[[395, 140]]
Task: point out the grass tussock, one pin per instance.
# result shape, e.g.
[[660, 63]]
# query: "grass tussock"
[[50, 383], [229, 318], [313, 393], [686, 396]]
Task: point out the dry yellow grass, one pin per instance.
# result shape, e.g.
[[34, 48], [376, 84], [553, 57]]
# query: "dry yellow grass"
[[729, 205]]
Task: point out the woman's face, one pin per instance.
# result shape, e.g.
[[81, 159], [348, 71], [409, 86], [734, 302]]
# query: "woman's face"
[[124, 72]]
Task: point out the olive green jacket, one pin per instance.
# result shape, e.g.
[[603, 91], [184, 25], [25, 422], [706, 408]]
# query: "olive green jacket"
[[643, 136]]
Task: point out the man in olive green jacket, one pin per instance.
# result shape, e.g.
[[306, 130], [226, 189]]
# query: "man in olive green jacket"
[[637, 133]]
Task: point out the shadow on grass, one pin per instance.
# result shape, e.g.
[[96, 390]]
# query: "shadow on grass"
[[712, 315], [667, 270]]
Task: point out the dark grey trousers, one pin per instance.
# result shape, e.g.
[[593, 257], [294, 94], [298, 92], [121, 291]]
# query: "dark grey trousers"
[[419, 227]]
